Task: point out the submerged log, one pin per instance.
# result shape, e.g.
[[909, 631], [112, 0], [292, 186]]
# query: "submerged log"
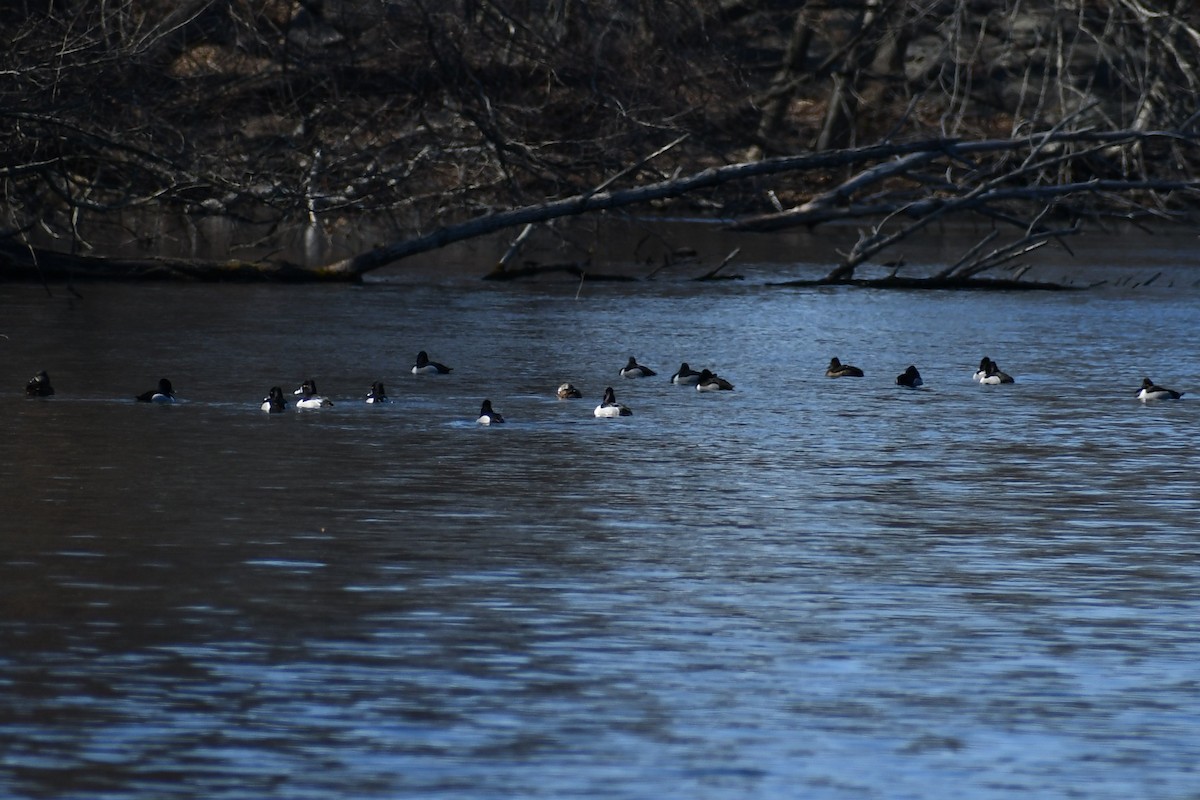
[[953, 282], [533, 270], [23, 263]]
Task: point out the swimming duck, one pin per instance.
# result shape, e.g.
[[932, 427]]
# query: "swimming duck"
[[274, 402], [426, 367], [686, 376], [636, 370], [984, 364], [993, 376], [164, 394], [567, 391], [1150, 391], [839, 370], [708, 382], [39, 386], [609, 407], [377, 394], [910, 378], [487, 416], [309, 397]]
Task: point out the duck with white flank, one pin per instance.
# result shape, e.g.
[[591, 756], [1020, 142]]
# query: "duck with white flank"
[[164, 394], [839, 370], [487, 416], [708, 382], [1151, 391], [910, 378], [377, 394], [426, 367], [993, 376], [636, 370], [686, 376], [39, 386], [274, 402], [609, 407], [309, 397], [567, 391], [984, 364]]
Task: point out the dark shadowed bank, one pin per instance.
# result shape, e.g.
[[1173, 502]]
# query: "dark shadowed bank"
[[132, 132]]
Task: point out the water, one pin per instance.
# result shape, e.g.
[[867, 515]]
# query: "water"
[[805, 587]]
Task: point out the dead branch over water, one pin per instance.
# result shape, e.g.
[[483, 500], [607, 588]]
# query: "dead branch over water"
[[985, 178], [460, 120]]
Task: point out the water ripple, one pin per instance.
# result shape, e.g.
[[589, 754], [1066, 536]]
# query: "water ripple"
[[835, 589]]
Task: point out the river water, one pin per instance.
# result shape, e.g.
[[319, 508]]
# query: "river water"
[[801, 588]]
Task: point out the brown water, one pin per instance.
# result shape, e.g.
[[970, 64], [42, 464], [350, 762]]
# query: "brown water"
[[805, 587]]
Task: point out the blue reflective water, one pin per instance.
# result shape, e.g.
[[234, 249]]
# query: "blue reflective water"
[[805, 587]]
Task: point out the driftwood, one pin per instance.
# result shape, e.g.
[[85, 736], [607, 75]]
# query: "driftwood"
[[905, 198]]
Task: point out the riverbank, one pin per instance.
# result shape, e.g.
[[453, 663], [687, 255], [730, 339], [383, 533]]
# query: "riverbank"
[[318, 117]]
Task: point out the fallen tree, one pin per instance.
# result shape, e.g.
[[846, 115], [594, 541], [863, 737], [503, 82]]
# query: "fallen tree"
[[905, 186]]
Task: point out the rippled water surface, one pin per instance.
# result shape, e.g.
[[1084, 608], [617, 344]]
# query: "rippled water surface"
[[802, 588]]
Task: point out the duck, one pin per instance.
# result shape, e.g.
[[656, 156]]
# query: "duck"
[[377, 394], [609, 407], [839, 370], [426, 367], [984, 364], [165, 393], [636, 370], [910, 378], [567, 391], [487, 416], [274, 402], [1151, 391], [708, 382], [686, 376], [39, 386], [309, 397], [992, 376]]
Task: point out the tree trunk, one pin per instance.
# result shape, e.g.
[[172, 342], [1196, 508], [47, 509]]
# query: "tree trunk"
[[783, 85]]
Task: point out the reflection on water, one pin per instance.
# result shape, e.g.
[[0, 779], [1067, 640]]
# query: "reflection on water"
[[837, 588]]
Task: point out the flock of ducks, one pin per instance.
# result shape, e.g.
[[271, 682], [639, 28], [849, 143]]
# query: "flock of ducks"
[[989, 373], [275, 402]]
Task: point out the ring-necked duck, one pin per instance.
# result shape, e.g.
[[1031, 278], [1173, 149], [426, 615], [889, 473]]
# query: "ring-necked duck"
[[164, 394], [487, 416], [712, 383], [636, 370], [609, 407], [309, 397], [274, 402], [1150, 391], [426, 367], [910, 378], [839, 370], [686, 376], [567, 391], [993, 375], [377, 394], [39, 385]]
